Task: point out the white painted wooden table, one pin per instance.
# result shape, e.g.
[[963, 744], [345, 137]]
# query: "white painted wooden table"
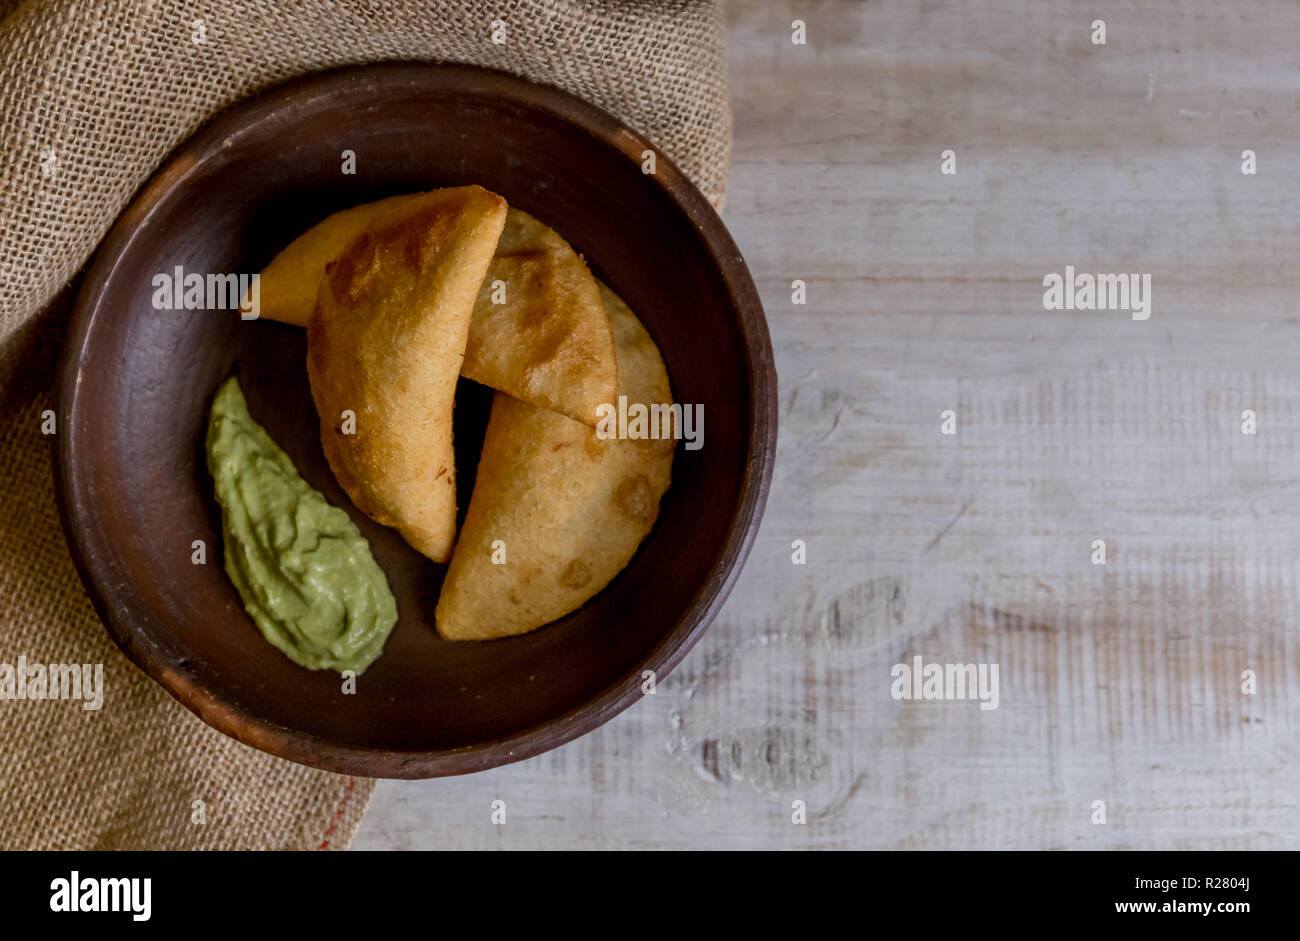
[[1120, 682]]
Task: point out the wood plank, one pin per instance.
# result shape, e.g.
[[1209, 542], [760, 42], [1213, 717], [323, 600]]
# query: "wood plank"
[[1119, 682]]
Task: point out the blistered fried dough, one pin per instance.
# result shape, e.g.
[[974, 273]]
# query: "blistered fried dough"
[[384, 350], [548, 342], [568, 508], [289, 283]]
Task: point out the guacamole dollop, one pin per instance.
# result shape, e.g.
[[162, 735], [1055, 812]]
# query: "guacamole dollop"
[[303, 570]]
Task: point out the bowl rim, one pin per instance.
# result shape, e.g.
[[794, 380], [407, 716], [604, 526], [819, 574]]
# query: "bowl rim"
[[307, 748]]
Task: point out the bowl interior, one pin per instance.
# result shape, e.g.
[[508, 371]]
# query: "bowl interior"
[[139, 383]]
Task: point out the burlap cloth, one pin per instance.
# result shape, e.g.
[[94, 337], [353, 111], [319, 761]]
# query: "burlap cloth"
[[93, 96]]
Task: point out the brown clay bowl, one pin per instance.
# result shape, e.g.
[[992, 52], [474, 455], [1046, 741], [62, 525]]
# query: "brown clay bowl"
[[136, 384]]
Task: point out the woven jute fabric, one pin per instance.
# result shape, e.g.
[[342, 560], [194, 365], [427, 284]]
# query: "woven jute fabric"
[[93, 96]]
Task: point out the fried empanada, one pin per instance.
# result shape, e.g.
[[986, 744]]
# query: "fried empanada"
[[548, 342], [384, 351], [288, 285], [557, 511], [539, 330]]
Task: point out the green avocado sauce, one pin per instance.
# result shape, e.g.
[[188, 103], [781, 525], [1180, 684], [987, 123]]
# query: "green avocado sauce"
[[303, 570]]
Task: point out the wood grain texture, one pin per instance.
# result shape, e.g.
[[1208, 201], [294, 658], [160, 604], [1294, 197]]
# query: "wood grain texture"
[[1120, 682]]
